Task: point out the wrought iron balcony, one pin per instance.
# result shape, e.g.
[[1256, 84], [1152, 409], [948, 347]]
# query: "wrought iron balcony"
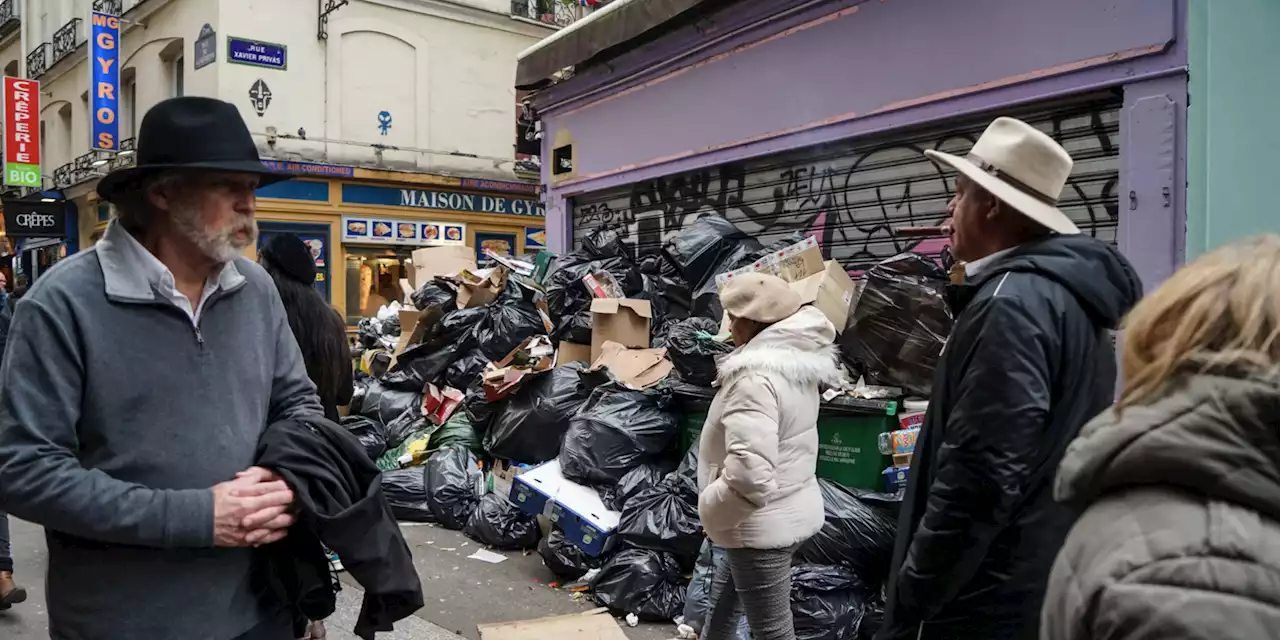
[[65, 40], [62, 176], [550, 12], [112, 7], [8, 14], [38, 60]]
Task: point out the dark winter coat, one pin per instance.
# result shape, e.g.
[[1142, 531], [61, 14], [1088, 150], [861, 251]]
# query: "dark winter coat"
[[340, 502], [1181, 535], [1029, 361]]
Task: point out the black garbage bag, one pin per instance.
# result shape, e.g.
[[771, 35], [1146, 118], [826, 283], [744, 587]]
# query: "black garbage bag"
[[856, 535], [569, 301], [457, 325], [367, 333], [435, 293], [606, 243], [453, 485], [901, 320], [563, 558], [480, 412], [615, 431], [826, 602], [701, 247], [499, 524], [534, 418], [647, 583], [419, 365], [511, 319], [664, 518], [384, 404], [635, 482], [371, 435], [872, 618], [406, 493], [403, 427], [694, 358], [466, 370]]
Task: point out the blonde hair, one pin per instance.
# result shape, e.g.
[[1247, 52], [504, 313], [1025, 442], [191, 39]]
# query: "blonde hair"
[[1222, 310]]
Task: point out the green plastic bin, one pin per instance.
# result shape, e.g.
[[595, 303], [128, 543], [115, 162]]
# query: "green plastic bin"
[[848, 438]]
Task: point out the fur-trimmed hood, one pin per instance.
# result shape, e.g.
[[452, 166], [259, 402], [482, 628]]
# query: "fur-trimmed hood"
[[800, 348]]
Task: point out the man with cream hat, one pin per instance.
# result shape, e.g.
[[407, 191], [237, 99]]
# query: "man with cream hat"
[[1028, 362]]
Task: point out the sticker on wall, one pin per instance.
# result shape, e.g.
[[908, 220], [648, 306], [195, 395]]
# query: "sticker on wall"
[[453, 233], [384, 121], [535, 238], [206, 47], [260, 96], [407, 231], [430, 232], [503, 244]]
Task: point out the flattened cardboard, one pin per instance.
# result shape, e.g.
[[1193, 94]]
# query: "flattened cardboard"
[[570, 352], [441, 261], [636, 368], [624, 321], [831, 291], [591, 625], [502, 378]]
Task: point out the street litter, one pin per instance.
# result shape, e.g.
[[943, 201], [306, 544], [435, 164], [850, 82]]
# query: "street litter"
[[484, 555]]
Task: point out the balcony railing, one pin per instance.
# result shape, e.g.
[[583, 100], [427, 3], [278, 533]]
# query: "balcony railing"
[[38, 60], [112, 7], [65, 40], [8, 14], [551, 12]]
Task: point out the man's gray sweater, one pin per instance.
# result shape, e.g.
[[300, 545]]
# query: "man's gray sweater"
[[117, 416]]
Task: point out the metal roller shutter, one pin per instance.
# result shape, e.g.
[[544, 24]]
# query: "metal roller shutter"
[[853, 194]]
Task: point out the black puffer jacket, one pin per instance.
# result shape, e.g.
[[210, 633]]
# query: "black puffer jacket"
[[1029, 361]]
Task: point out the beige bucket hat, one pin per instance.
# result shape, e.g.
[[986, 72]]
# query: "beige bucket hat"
[[1021, 166]]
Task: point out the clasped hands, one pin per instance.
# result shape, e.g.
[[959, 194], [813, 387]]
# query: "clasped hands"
[[252, 510]]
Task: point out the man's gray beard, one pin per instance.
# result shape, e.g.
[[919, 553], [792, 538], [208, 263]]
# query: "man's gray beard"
[[219, 247]]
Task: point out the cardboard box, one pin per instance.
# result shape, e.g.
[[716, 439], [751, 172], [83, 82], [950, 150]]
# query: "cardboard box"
[[480, 287], [533, 491], [579, 512], [502, 475], [439, 404], [636, 368], [573, 508], [624, 321], [831, 291], [441, 261], [570, 352], [535, 355], [895, 479]]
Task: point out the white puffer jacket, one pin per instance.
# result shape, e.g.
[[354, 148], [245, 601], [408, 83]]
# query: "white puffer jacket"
[[759, 447]]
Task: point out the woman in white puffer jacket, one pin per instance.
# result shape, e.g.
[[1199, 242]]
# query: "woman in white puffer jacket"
[[758, 454]]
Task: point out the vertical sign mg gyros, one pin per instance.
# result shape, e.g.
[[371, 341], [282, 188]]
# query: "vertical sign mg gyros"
[[104, 52], [22, 133]]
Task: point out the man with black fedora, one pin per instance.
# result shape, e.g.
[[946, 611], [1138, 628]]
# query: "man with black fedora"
[[1028, 362], [138, 378]]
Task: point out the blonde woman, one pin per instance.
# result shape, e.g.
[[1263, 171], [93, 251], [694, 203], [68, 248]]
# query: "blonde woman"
[[1180, 482]]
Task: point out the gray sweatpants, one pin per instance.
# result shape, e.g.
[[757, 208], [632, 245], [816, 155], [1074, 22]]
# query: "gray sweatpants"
[[6, 553], [759, 581]]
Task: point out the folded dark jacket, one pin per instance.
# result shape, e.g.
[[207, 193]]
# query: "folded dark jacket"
[[340, 503]]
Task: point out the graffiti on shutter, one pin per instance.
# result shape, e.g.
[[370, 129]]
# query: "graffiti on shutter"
[[851, 195]]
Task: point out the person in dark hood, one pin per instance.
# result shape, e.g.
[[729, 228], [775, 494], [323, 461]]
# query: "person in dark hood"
[[1180, 484], [1029, 361]]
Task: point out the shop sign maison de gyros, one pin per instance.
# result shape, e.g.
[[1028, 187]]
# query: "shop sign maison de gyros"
[[388, 229]]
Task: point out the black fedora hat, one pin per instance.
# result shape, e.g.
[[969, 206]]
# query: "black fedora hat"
[[190, 133]]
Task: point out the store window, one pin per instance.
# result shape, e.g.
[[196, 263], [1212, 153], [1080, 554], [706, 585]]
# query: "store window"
[[373, 278], [315, 236]]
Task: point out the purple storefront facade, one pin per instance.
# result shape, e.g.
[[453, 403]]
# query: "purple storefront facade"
[[812, 116]]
